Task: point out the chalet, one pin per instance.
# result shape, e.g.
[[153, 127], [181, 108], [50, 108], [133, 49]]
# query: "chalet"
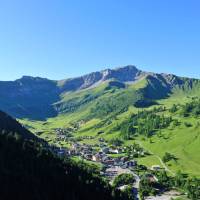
[[108, 161], [114, 151], [151, 178], [71, 152], [105, 150], [97, 157], [124, 159], [101, 140], [131, 163], [62, 137], [101, 145], [88, 156], [61, 152], [75, 146], [155, 167], [118, 161]]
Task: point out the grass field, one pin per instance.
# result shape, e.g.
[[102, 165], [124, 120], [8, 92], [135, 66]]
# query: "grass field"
[[181, 141]]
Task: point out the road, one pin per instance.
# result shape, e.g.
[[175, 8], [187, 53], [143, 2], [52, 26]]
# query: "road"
[[116, 171]]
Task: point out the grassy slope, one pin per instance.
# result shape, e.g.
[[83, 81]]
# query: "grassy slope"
[[181, 141]]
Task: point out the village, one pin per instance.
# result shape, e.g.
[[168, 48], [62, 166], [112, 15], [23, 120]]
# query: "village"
[[113, 159]]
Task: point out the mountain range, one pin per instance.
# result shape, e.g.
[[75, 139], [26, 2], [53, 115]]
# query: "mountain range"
[[40, 98], [108, 104]]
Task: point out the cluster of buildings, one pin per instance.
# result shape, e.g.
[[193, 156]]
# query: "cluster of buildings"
[[113, 165], [102, 155], [62, 134]]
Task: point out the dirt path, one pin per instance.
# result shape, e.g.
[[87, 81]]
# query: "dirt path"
[[162, 163], [165, 166]]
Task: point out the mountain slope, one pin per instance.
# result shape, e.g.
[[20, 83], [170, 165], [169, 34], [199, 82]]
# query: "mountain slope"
[[39, 98], [28, 171], [8, 125], [29, 97], [107, 106]]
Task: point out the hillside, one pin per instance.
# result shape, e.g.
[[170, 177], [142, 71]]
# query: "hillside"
[[105, 102], [30, 171], [8, 125], [39, 98]]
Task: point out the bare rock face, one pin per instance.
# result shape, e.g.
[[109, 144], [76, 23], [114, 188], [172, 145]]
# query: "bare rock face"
[[123, 74]]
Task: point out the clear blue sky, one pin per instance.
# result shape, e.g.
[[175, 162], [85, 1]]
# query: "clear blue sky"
[[66, 38]]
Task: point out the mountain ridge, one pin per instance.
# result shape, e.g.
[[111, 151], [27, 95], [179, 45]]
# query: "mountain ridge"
[[35, 97]]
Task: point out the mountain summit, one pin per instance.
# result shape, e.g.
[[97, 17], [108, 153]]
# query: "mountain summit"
[[123, 74]]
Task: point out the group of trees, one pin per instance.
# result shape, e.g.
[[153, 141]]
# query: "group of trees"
[[189, 109], [116, 142], [134, 151], [123, 179], [74, 103], [29, 170], [147, 187], [144, 123], [168, 157], [114, 104], [192, 108], [126, 180], [191, 186]]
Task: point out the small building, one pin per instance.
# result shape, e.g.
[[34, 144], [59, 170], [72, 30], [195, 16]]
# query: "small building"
[[155, 167], [88, 156], [124, 159], [105, 150], [97, 157], [151, 178], [109, 162], [75, 146], [131, 163], [101, 140], [114, 151]]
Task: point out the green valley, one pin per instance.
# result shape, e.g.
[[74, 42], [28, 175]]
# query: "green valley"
[[107, 108], [122, 121]]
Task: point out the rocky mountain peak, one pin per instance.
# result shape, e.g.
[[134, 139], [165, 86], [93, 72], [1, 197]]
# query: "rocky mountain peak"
[[122, 74]]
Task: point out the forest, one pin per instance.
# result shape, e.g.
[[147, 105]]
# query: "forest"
[[29, 170], [144, 123]]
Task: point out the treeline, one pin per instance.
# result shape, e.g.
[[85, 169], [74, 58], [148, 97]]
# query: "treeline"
[[75, 103], [192, 108], [144, 123], [29, 170], [190, 186], [8, 124], [189, 109], [116, 103]]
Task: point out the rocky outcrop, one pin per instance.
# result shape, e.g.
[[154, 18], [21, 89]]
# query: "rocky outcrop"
[[123, 74]]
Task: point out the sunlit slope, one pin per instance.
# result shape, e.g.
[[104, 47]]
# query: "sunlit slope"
[[104, 109]]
